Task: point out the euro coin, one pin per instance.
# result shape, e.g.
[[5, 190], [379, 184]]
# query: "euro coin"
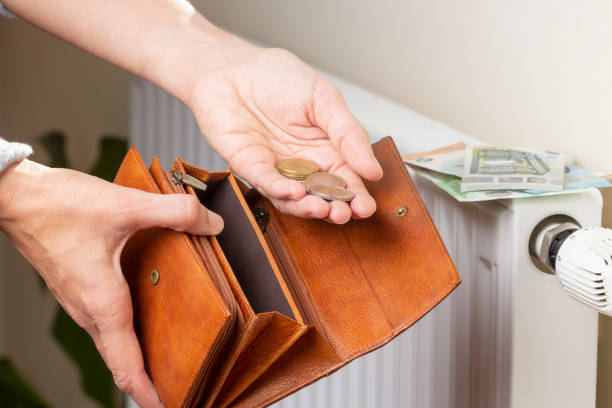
[[324, 178], [297, 169], [331, 193]]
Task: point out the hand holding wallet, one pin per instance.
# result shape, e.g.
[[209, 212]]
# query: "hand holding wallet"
[[275, 302]]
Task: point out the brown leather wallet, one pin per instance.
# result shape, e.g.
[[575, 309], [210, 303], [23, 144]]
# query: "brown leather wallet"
[[275, 302]]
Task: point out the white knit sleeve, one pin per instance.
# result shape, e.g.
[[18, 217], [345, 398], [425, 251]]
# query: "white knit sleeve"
[[5, 12], [11, 152]]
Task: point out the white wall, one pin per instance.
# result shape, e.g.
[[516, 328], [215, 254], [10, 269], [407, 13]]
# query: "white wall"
[[522, 72]]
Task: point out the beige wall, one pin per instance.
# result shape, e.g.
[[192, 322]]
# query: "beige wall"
[[522, 72], [46, 84], [534, 73]]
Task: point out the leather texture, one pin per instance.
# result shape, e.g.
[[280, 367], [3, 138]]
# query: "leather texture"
[[252, 315]]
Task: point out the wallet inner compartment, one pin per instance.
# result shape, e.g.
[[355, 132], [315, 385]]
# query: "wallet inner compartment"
[[243, 250]]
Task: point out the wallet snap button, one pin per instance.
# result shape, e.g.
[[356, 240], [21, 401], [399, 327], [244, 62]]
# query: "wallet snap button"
[[154, 277], [401, 211]]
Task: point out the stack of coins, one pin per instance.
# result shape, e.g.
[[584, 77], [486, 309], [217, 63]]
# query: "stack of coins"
[[328, 186], [297, 169], [320, 183]]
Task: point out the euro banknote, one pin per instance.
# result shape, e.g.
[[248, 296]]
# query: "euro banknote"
[[444, 168], [488, 168]]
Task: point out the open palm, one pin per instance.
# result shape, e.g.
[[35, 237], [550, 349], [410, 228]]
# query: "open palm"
[[272, 106]]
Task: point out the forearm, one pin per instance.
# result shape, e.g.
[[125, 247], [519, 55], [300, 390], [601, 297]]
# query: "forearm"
[[164, 41]]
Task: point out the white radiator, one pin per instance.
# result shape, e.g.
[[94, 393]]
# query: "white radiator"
[[507, 337]]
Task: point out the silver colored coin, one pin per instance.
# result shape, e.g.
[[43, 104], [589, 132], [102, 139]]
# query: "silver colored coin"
[[331, 193], [323, 178]]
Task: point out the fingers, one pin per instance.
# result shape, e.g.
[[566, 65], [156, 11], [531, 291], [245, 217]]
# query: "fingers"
[[363, 204], [118, 345], [346, 133], [257, 166], [265, 178], [180, 212], [337, 212], [308, 207]]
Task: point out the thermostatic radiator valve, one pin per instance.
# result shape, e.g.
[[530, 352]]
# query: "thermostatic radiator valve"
[[580, 257]]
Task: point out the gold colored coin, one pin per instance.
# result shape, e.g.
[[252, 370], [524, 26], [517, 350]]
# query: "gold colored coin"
[[299, 177], [331, 193], [297, 169], [324, 178]]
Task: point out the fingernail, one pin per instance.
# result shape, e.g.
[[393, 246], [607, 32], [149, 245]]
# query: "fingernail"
[[216, 222]]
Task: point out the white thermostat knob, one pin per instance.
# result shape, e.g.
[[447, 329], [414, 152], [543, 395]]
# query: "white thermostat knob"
[[580, 257], [584, 267]]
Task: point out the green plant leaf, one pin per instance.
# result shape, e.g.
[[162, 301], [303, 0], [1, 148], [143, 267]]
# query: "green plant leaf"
[[111, 153], [55, 145], [14, 391]]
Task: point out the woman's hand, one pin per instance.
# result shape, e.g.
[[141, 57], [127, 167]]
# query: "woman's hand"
[[267, 105], [255, 106], [72, 228]]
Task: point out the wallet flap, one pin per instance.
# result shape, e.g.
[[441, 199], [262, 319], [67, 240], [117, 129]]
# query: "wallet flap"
[[365, 281], [399, 249], [179, 333]]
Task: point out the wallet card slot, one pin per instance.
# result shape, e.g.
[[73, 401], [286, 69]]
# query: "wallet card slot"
[[243, 250]]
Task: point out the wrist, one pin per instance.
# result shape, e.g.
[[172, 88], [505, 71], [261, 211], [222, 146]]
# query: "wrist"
[[20, 187], [193, 50]]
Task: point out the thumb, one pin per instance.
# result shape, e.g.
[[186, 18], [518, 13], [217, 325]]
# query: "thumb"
[[180, 212]]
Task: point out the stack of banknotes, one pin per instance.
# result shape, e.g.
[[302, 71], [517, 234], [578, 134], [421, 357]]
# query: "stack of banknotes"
[[482, 173]]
